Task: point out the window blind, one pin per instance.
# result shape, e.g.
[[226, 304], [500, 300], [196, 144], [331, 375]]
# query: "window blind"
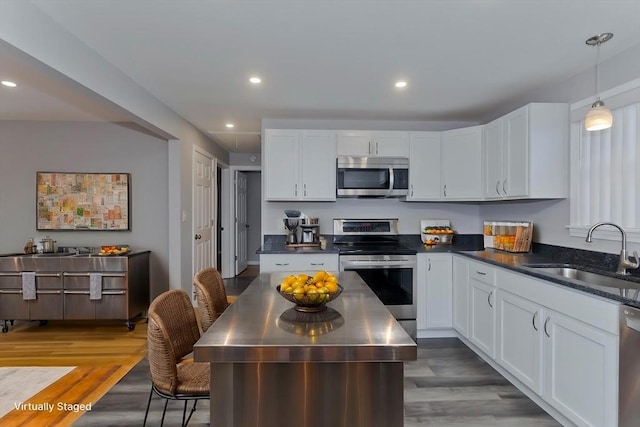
[[608, 187]]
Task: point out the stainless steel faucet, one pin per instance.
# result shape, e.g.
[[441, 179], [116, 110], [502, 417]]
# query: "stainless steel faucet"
[[624, 262]]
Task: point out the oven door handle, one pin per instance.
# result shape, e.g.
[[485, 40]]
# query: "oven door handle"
[[378, 264], [391, 180]]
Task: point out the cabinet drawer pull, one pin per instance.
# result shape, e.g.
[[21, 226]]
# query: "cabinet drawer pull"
[[317, 263], [76, 292], [49, 292], [482, 273], [444, 189], [4, 291], [429, 267], [114, 292], [534, 320], [48, 274], [489, 299], [497, 191], [88, 274], [504, 183], [282, 263], [10, 274], [545, 327]]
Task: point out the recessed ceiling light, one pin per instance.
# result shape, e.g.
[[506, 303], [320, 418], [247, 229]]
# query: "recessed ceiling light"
[[255, 80], [401, 83], [8, 83], [230, 125]]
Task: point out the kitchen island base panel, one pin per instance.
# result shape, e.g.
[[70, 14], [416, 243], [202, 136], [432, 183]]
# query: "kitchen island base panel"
[[310, 394]]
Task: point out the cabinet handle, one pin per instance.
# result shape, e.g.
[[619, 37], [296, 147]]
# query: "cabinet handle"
[[482, 273], [304, 189], [296, 190], [76, 292], [534, 320], [445, 190], [489, 299], [411, 190], [376, 148], [282, 263], [545, 327], [317, 263], [497, 191], [48, 292], [429, 268], [504, 183], [370, 152]]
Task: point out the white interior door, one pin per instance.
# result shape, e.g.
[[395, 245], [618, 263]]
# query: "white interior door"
[[242, 226], [203, 211]]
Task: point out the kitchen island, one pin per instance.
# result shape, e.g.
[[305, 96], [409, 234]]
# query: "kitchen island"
[[274, 366]]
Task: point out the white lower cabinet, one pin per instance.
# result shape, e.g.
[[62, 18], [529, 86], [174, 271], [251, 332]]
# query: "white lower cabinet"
[[482, 300], [270, 263], [434, 294], [519, 339], [460, 285], [581, 371], [570, 362]]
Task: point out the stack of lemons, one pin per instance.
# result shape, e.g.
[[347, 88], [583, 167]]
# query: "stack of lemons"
[[316, 288]]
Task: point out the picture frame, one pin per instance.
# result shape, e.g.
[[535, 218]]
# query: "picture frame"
[[83, 201]]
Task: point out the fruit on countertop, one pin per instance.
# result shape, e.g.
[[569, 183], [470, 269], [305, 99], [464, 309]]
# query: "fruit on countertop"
[[113, 250], [438, 230], [317, 288]]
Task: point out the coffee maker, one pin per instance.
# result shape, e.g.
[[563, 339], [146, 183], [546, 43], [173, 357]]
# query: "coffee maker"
[[291, 223], [310, 230]]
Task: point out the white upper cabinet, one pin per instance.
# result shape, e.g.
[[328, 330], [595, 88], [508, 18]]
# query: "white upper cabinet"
[[318, 171], [424, 166], [460, 165], [281, 169], [526, 153], [299, 165], [373, 143]]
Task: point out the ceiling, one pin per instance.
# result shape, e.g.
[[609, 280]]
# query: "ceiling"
[[323, 59]]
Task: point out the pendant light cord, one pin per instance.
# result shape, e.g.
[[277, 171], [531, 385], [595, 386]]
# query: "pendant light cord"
[[597, 70]]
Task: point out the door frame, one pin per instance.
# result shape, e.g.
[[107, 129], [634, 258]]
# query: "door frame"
[[228, 269]]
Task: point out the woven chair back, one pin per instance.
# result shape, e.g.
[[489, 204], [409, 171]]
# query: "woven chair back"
[[171, 333], [211, 296]]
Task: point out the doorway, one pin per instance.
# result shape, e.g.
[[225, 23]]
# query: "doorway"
[[236, 244]]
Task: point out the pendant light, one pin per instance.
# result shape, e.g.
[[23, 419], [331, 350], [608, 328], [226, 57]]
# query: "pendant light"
[[599, 117]]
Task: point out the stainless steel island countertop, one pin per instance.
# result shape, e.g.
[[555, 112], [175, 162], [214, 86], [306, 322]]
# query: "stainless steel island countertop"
[[261, 326], [274, 366]]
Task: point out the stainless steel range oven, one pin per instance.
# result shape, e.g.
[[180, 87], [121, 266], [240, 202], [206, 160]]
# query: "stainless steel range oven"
[[372, 248]]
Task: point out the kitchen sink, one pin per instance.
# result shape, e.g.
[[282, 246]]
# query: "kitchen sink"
[[603, 282]]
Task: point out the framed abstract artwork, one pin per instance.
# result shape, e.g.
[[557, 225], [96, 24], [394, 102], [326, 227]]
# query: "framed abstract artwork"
[[83, 201]]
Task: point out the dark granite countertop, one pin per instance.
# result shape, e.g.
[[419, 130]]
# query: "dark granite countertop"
[[471, 245], [553, 255], [277, 244]]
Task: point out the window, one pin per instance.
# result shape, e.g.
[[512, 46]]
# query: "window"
[[605, 172]]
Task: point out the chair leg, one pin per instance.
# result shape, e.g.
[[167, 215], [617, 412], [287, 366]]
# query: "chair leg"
[[184, 413], [146, 413], [195, 402], [164, 411]]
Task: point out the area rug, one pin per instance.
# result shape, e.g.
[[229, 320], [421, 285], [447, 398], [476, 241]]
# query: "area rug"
[[125, 404], [18, 384]]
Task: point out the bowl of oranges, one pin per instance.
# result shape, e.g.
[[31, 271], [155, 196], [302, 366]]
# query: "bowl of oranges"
[[310, 292]]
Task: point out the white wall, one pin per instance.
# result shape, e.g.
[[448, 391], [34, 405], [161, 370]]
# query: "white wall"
[[25, 27], [27, 147], [464, 217], [254, 215]]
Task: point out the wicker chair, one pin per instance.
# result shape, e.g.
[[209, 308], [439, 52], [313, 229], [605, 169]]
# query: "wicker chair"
[[211, 296], [172, 331]]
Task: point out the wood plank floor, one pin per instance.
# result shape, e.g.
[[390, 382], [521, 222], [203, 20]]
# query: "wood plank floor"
[[102, 352]]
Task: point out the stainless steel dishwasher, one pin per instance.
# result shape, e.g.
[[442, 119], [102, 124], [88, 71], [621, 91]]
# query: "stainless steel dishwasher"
[[629, 377]]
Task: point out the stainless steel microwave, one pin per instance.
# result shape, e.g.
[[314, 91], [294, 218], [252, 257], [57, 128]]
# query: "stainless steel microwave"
[[372, 176]]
